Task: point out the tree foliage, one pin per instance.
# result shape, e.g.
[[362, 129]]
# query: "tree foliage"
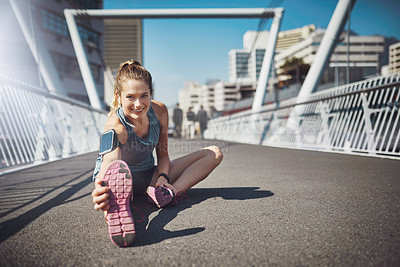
[[292, 62]]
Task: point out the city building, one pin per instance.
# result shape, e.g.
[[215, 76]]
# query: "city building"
[[208, 96], [36, 48], [245, 64], [227, 93], [394, 58], [363, 57], [238, 65], [213, 96], [291, 37], [190, 96], [224, 94], [123, 40]]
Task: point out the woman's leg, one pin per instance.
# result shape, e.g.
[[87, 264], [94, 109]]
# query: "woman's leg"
[[189, 170]]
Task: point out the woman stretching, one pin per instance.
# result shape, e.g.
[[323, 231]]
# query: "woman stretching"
[[140, 125]]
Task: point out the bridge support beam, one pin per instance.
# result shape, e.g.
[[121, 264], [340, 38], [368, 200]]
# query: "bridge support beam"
[[268, 61], [70, 15], [83, 61], [328, 43]]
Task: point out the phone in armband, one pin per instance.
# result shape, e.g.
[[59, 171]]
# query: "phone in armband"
[[108, 142]]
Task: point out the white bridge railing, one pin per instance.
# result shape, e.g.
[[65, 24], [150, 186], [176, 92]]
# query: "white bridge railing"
[[361, 118], [38, 127]]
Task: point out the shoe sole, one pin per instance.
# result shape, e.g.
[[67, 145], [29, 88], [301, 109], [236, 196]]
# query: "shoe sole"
[[121, 226]]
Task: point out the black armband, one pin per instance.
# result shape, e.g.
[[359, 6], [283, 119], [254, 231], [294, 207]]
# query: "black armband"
[[164, 175], [108, 142]]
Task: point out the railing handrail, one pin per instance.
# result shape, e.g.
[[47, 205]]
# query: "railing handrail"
[[358, 118], [42, 127], [44, 92], [265, 109], [364, 90]]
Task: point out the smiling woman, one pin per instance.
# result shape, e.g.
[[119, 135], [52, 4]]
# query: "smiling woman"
[[135, 101], [141, 125]]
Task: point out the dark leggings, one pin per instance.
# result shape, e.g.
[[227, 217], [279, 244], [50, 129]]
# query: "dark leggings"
[[141, 180]]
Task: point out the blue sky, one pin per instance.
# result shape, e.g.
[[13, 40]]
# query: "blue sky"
[[176, 50]]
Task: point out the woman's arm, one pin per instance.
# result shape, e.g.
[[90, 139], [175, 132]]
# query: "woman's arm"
[[99, 194], [163, 160]]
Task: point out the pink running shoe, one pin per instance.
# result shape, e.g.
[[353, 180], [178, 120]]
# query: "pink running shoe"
[[119, 218], [160, 196]]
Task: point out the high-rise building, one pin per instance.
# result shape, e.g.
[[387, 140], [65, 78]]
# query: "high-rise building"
[[394, 58], [238, 65], [122, 41], [245, 64], [36, 48], [208, 96], [291, 37], [190, 96], [363, 57], [227, 93]]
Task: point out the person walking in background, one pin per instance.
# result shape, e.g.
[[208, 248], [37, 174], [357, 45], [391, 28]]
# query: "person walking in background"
[[191, 118], [177, 117], [202, 118]]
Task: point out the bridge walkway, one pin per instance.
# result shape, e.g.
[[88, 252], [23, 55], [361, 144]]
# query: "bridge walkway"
[[262, 206]]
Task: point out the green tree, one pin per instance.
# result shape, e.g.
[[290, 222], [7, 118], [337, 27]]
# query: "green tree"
[[292, 62]]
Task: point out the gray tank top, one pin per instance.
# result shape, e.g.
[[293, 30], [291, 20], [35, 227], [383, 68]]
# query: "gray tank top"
[[137, 152]]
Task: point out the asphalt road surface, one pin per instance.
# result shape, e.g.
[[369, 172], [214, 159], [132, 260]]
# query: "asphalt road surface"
[[261, 207]]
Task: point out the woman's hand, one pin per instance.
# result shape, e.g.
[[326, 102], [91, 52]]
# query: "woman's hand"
[[163, 182], [100, 195]]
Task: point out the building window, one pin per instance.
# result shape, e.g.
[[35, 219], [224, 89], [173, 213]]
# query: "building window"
[[88, 3], [53, 23], [259, 61], [68, 66], [242, 61], [96, 69], [89, 37], [57, 24]]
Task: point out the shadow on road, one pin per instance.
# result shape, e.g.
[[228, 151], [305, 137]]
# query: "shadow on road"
[[155, 231], [11, 227]]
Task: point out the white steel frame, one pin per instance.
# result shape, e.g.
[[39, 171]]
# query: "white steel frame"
[[321, 59], [275, 13]]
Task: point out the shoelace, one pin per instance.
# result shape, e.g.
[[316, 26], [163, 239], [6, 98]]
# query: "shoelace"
[[179, 196], [140, 212]]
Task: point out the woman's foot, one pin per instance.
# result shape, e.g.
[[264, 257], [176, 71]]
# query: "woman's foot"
[[120, 221], [163, 196], [160, 196]]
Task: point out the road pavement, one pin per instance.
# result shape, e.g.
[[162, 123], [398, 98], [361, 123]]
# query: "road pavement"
[[262, 206]]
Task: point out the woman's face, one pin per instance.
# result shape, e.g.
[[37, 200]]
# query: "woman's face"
[[135, 99]]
